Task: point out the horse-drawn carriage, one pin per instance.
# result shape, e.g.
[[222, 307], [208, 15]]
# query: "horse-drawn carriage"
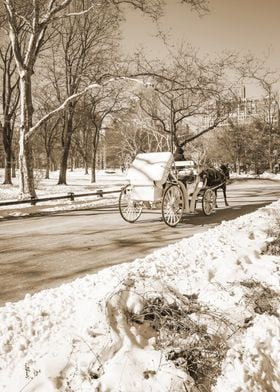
[[155, 180]]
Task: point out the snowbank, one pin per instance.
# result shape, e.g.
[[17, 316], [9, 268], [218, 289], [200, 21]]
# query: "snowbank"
[[83, 336]]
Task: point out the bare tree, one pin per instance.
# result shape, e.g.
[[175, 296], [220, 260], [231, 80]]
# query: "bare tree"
[[82, 137], [109, 103], [10, 100], [188, 94], [139, 133], [48, 137], [87, 51], [38, 17], [267, 115]]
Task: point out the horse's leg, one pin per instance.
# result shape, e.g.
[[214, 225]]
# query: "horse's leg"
[[225, 194], [216, 205]]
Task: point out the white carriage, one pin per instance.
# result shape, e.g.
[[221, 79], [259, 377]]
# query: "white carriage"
[[156, 180]]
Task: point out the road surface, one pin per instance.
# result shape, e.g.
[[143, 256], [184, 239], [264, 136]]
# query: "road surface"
[[39, 252]]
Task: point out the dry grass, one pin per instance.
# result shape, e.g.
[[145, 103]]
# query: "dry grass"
[[273, 248], [192, 336], [261, 299]]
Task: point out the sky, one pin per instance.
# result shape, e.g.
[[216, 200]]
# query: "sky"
[[81, 337], [238, 25]]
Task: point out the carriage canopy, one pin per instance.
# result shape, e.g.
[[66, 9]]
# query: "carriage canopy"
[[150, 168]]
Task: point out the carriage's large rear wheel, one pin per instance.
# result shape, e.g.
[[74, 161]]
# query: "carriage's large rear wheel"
[[130, 209], [172, 207], [208, 201]]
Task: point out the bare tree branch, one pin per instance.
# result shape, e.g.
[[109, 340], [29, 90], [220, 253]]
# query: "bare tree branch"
[[59, 109]]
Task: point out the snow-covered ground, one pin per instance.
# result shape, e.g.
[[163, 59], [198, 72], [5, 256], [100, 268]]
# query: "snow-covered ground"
[[77, 182], [199, 315]]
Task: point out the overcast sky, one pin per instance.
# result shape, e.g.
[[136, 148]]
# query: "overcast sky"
[[240, 25]]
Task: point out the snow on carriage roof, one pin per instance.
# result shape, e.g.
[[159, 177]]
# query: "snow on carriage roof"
[[150, 167]]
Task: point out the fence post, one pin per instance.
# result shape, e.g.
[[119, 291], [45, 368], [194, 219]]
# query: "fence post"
[[71, 196], [33, 201], [99, 192]]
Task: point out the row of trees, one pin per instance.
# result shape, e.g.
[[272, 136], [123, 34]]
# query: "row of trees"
[[73, 43], [64, 81]]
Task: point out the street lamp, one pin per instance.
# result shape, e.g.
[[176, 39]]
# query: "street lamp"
[[172, 130]]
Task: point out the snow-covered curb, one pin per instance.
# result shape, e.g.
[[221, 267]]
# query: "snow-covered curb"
[[77, 337], [264, 176]]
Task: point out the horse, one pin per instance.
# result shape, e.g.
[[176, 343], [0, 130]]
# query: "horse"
[[216, 178]]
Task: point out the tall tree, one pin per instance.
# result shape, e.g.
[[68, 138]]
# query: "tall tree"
[[39, 17], [36, 17], [87, 46], [82, 138], [268, 111], [108, 103], [188, 94], [10, 101], [48, 137]]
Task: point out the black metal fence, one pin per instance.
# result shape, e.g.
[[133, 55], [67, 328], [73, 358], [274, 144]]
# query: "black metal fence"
[[70, 195]]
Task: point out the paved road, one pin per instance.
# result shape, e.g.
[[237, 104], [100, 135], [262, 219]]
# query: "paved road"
[[40, 252]]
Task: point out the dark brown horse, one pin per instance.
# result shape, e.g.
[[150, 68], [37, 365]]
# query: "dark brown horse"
[[217, 179]]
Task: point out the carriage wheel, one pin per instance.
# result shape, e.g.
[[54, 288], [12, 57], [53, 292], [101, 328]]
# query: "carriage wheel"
[[172, 207], [208, 201], [130, 209]]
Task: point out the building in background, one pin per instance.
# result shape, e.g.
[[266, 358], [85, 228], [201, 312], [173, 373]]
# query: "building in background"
[[248, 110]]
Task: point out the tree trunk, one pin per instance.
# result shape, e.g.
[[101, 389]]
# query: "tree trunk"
[[238, 164], [53, 164], [7, 142], [63, 163], [66, 150], [95, 143], [93, 167], [8, 168], [270, 156], [86, 166], [72, 164], [26, 178], [47, 174], [14, 163]]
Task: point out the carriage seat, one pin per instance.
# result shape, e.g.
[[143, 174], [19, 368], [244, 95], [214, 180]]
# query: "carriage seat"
[[186, 171]]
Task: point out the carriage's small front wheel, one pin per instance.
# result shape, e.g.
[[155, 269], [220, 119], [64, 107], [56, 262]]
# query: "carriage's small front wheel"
[[130, 209], [173, 204], [208, 201]]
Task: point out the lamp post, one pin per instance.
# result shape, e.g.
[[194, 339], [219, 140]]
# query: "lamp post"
[[172, 124]]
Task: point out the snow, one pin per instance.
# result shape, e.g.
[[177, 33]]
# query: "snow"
[[77, 182], [148, 168], [80, 336], [264, 175]]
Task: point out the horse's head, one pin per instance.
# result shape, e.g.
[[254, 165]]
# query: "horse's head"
[[225, 170]]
